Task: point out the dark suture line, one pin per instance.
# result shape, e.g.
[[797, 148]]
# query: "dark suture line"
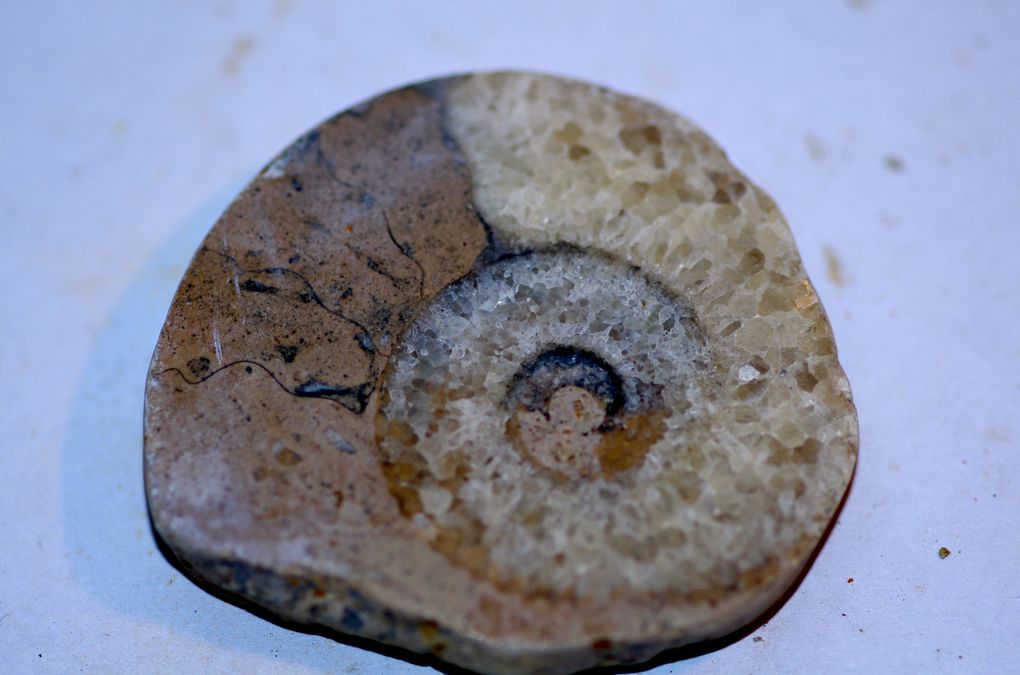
[[330, 166], [363, 258], [497, 246], [372, 265], [364, 339], [312, 294], [312, 389], [405, 250], [365, 196]]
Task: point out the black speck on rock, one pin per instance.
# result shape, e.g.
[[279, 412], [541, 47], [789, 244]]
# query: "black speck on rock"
[[350, 620], [254, 286], [199, 366], [287, 352]]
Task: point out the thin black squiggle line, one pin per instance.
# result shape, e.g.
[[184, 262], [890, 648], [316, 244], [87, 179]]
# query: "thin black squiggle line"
[[322, 160], [368, 345], [404, 250], [312, 295], [373, 265], [221, 369], [356, 409]]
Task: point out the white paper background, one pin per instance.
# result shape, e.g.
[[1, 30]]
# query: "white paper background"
[[128, 126]]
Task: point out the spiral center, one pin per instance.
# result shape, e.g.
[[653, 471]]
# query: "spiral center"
[[559, 403], [526, 400], [563, 438], [535, 383]]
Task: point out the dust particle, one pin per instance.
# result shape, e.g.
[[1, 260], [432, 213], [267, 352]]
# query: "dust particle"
[[995, 435], [815, 148], [944, 553], [893, 163], [284, 7], [238, 52], [833, 268], [758, 639], [888, 221], [850, 580]]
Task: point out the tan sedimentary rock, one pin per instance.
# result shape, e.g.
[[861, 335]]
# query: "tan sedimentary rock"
[[508, 368]]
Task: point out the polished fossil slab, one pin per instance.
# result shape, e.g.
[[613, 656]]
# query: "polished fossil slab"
[[508, 368]]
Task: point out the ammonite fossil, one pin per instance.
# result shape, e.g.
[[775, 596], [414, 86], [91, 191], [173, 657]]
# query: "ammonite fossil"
[[507, 368]]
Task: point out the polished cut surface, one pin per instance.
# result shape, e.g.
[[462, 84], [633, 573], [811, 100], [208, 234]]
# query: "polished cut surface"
[[507, 368]]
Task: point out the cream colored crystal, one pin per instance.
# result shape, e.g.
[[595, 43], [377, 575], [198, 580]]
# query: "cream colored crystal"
[[767, 442]]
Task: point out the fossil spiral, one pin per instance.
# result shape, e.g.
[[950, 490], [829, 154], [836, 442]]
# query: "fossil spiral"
[[507, 368]]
